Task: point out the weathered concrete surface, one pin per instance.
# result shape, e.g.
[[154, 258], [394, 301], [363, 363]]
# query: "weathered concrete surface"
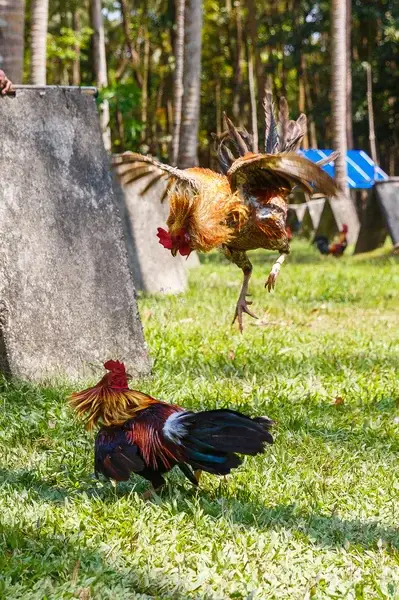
[[67, 294], [292, 220], [311, 216], [373, 231], [316, 207], [299, 209], [155, 270], [295, 216], [192, 261], [387, 193]]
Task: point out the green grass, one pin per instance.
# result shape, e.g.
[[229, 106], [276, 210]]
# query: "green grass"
[[315, 517]]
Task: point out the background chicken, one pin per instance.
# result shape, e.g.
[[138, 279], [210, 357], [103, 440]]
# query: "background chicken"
[[245, 207], [337, 247], [146, 436]]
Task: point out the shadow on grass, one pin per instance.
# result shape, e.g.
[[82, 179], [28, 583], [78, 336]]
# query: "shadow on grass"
[[321, 529], [290, 364], [58, 566]]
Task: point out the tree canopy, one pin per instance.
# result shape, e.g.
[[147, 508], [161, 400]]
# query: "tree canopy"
[[288, 41]]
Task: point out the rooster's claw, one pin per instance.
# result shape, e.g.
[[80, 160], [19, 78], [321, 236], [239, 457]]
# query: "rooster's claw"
[[242, 307], [271, 281], [275, 270]]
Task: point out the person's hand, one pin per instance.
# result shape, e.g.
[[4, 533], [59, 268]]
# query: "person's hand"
[[5, 83]]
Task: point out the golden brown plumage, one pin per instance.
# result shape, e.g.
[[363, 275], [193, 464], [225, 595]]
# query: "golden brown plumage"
[[245, 207], [110, 401]]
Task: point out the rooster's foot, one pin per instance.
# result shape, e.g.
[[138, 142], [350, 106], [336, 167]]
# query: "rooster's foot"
[[242, 307], [150, 493], [271, 280]]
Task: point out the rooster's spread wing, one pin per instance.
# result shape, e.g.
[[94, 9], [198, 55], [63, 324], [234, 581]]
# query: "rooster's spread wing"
[[279, 171], [131, 167], [280, 167]]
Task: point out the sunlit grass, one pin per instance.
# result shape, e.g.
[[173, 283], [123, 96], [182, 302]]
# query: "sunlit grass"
[[316, 517]]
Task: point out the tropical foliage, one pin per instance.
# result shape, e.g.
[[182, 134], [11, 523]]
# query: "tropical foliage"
[[288, 40]]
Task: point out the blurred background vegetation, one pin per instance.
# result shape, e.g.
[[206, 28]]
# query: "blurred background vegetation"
[[286, 43]]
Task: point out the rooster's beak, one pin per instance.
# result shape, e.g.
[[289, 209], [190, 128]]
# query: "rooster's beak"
[[174, 251], [128, 376]]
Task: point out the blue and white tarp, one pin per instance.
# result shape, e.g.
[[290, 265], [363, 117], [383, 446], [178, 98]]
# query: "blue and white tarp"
[[362, 172]]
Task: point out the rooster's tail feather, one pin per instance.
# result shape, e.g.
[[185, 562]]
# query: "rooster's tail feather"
[[212, 439]]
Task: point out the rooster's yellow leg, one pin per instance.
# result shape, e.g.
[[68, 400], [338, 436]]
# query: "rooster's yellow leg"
[[275, 270], [243, 303], [197, 475], [240, 258], [151, 492]]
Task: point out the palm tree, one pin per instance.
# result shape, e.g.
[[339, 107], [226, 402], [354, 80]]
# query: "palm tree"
[[39, 42], [338, 89], [76, 26], [100, 66], [178, 79], [188, 147], [12, 14], [349, 123], [253, 36]]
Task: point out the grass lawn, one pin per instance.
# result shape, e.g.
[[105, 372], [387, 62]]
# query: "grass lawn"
[[316, 517]]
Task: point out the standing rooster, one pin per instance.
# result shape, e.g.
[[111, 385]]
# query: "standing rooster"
[[242, 209], [337, 247], [146, 436]]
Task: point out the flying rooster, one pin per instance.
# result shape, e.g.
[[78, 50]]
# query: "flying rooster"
[[142, 435], [244, 207], [337, 247]]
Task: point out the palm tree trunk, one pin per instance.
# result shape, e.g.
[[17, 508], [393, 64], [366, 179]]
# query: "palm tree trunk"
[[100, 67], [302, 94], [238, 61], [252, 95], [178, 88], [12, 14], [38, 43], [349, 123], [373, 148], [218, 101], [188, 147], [309, 102], [134, 57], [253, 35], [76, 25], [338, 88], [144, 92]]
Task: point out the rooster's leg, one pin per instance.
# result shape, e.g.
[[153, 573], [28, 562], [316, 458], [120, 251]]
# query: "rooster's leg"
[[149, 494], [243, 303], [157, 483], [239, 258], [271, 280]]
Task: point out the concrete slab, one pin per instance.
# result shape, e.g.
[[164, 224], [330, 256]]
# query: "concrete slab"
[[67, 293]]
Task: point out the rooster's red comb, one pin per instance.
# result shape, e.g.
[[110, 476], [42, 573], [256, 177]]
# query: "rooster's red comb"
[[115, 366], [165, 238]]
